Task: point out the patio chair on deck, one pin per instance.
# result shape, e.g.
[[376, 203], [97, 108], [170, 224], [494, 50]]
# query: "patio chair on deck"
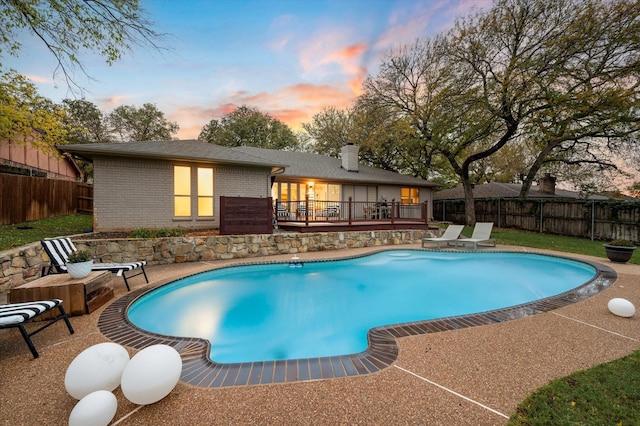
[[59, 249], [281, 211], [450, 235], [17, 314], [481, 235]]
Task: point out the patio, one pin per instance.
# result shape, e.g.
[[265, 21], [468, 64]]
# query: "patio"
[[470, 376]]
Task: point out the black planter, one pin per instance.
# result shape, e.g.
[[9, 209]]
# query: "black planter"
[[619, 254]]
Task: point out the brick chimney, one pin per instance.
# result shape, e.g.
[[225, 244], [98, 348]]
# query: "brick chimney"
[[349, 154], [548, 184]]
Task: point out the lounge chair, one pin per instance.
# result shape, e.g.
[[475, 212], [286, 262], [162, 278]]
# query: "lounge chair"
[[481, 235], [450, 235], [58, 250], [17, 314]]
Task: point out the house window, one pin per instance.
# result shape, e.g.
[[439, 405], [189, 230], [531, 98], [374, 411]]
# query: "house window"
[[409, 196], [181, 191], [205, 192], [183, 195]]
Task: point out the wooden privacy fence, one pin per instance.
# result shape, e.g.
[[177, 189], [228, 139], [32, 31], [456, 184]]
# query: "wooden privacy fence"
[[598, 220], [245, 215], [27, 198]]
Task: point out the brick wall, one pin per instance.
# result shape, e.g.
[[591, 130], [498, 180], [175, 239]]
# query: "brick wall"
[[131, 194]]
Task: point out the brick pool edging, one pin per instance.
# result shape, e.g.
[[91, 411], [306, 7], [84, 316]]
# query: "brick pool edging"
[[199, 370]]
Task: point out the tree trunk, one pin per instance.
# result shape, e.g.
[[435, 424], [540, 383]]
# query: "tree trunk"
[[469, 203]]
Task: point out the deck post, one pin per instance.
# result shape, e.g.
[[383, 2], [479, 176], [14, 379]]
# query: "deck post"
[[350, 206], [425, 212], [306, 210], [393, 209]]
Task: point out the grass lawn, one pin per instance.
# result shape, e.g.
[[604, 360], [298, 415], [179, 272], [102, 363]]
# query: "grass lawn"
[[608, 394], [24, 233]]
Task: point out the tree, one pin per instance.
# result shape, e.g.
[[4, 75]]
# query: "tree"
[[147, 123], [26, 116], [330, 130], [249, 127], [67, 27], [85, 123], [590, 105], [549, 79]]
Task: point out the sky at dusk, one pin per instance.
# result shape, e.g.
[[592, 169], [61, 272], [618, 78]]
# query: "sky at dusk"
[[287, 58]]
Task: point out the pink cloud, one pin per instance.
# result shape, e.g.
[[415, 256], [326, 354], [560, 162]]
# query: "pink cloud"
[[39, 79], [293, 105], [113, 101]]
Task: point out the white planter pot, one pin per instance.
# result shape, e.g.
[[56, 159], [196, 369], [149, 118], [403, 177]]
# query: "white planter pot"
[[79, 270]]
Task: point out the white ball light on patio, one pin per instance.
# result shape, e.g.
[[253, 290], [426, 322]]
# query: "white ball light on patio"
[[621, 307], [151, 374], [96, 409], [96, 368]]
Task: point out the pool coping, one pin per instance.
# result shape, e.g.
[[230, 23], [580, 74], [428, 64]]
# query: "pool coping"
[[198, 370]]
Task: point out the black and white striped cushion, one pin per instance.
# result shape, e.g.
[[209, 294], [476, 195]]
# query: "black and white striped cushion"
[[59, 251], [118, 268], [17, 313]]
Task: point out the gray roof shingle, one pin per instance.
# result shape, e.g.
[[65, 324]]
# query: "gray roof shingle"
[[191, 150], [304, 165], [298, 165]]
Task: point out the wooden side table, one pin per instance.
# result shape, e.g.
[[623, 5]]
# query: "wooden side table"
[[79, 296]]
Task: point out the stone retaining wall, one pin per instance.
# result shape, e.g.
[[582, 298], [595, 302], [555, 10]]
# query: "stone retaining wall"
[[24, 264]]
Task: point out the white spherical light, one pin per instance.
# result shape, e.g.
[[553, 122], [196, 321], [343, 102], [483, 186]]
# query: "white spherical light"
[[151, 374], [96, 409], [96, 368], [621, 307]]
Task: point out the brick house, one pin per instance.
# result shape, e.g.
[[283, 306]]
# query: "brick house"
[[178, 184]]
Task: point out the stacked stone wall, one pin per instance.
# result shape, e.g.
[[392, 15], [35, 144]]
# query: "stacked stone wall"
[[24, 264]]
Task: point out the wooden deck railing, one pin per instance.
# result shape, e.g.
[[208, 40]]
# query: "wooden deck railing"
[[310, 211]]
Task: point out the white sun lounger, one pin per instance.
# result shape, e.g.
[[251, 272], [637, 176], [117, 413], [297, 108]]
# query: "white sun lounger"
[[450, 235], [481, 235]]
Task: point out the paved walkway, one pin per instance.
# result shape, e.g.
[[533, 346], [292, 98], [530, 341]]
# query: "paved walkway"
[[472, 376]]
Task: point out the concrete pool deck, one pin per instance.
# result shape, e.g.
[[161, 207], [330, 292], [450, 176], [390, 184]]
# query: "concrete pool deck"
[[470, 376]]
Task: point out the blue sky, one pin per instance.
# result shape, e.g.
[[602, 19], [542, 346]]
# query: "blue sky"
[[288, 58]]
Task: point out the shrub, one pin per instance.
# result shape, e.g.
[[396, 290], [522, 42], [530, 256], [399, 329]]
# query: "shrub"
[[79, 256], [156, 233]]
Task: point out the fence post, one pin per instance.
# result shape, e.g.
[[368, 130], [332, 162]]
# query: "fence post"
[[593, 219]]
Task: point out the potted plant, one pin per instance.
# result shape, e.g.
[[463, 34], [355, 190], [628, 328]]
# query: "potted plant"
[[79, 264], [619, 250]]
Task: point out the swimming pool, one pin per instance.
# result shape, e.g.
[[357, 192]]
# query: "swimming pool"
[[274, 312]]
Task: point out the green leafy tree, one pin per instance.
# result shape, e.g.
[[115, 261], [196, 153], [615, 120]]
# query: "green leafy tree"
[[131, 124], [330, 130], [26, 116], [69, 27], [546, 78], [249, 127], [85, 123]]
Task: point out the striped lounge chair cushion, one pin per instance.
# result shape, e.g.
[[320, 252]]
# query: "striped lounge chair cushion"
[[59, 250], [17, 313], [118, 268]]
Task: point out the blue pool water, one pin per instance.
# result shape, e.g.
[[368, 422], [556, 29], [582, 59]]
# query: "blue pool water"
[[273, 311]]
